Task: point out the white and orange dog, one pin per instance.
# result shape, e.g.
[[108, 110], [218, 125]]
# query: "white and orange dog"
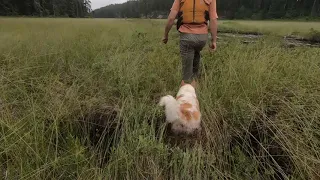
[[183, 111]]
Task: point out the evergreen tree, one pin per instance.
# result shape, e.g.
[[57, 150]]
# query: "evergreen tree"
[[70, 8]]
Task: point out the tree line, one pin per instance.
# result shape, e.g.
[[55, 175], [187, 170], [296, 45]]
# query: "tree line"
[[230, 9], [43, 8]]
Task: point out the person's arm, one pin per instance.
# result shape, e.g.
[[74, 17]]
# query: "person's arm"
[[172, 16], [214, 32], [213, 24]]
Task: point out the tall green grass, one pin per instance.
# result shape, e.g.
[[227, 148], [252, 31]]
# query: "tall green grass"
[[260, 104]]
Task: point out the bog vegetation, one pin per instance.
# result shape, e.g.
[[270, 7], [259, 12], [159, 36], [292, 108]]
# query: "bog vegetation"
[[78, 100]]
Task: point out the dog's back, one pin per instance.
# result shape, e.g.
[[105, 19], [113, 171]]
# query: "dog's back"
[[183, 112]]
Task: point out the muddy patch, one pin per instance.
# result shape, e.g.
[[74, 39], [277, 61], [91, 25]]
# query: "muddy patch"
[[4, 161], [259, 144], [246, 37], [254, 33], [101, 130], [253, 37], [184, 140], [164, 133], [296, 41]]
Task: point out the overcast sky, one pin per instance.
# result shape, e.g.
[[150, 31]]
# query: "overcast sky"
[[100, 3]]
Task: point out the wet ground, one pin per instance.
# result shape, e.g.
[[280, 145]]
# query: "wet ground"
[[252, 37]]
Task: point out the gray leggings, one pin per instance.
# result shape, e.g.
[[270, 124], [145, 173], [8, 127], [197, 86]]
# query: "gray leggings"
[[190, 47]]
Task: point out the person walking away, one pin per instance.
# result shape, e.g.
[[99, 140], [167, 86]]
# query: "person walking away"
[[192, 24]]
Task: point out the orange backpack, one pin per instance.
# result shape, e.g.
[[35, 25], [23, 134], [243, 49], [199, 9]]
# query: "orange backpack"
[[193, 12]]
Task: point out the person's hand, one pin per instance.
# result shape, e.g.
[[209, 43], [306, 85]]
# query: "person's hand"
[[165, 39], [213, 46]]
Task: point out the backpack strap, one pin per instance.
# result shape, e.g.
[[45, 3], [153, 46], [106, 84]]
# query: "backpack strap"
[[179, 20], [179, 16]]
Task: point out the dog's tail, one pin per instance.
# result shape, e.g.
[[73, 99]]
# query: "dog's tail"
[[171, 108]]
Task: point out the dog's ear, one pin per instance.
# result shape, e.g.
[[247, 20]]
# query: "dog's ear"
[[193, 84], [183, 83]]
